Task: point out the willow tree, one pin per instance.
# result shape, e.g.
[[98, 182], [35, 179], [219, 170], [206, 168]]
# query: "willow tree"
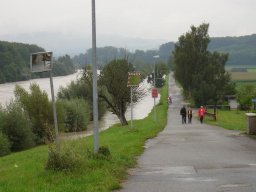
[[114, 90]]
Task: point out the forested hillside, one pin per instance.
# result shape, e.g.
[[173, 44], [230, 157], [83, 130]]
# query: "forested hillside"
[[242, 51], [139, 57], [15, 62]]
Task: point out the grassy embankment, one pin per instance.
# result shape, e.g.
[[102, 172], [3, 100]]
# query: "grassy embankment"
[[233, 120], [24, 171]]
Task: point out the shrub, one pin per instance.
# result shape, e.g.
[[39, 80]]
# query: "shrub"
[[39, 109], [4, 145], [103, 153], [76, 114], [65, 160], [17, 127]]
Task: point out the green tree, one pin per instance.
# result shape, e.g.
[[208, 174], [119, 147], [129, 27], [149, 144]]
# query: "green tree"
[[114, 90], [5, 144], [76, 114], [201, 73], [38, 107], [17, 127], [190, 56], [245, 94], [63, 66], [82, 89]]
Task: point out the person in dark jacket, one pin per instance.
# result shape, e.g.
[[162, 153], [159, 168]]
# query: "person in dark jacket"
[[183, 113]]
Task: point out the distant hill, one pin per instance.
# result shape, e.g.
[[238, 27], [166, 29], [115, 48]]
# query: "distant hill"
[[15, 62], [242, 50]]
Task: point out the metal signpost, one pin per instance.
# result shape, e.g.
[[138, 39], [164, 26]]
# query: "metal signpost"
[[154, 95], [134, 79], [41, 62]]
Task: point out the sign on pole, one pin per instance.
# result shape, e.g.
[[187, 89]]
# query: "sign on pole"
[[134, 79], [41, 61], [154, 93]]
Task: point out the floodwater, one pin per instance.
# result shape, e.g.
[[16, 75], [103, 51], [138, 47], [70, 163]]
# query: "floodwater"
[[140, 109], [7, 89]]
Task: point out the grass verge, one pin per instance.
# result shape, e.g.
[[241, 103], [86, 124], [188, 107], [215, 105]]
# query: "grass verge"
[[233, 120], [24, 171]]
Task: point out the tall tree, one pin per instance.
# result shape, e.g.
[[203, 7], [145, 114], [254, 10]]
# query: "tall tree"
[[201, 73], [190, 56]]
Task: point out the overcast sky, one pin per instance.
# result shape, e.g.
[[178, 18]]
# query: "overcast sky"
[[162, 20]]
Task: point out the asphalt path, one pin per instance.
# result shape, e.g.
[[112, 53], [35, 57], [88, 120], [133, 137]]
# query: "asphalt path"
[[194, 158]]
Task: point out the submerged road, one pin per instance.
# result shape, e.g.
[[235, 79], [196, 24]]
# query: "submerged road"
[[194, 158]]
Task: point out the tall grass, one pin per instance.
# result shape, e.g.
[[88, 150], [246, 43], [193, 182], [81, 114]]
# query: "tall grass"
[[25, 171]]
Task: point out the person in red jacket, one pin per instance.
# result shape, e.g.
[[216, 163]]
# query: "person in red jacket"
[[201, 113]]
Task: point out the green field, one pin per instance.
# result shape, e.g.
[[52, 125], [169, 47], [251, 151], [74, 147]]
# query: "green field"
[[243, 76], [24, 171], [230, 67], [252, 70]]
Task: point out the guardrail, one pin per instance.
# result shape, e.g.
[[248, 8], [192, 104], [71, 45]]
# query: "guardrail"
[[211, 115]]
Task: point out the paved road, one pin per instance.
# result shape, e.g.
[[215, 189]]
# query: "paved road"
[[194, 158]]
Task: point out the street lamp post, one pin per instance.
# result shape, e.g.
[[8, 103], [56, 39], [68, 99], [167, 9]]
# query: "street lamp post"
[[155, 57], [95, 77]]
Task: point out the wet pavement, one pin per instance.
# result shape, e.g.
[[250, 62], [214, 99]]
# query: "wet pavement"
[[194, 158]]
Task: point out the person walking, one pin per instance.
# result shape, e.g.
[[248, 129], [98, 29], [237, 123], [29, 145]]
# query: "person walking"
[[201, 113], [183, 113], [190, 115], [170, 99]]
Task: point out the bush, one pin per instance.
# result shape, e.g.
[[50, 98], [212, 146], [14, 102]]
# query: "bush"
[[17, 127], [76, 114], [103, 153], [38, 107], [61, 161], [4, 145]]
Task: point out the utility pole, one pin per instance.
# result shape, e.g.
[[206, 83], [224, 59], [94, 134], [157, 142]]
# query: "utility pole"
[[95, 78]]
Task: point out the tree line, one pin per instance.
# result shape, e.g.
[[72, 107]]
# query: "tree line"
[[140, 59], [15, 62]]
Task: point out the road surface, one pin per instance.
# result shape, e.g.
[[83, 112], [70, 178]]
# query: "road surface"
[[194, 158]]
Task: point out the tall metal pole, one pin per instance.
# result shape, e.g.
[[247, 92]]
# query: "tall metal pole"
[[131, 109], [54, 115], [95, 94], [154, 88]]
